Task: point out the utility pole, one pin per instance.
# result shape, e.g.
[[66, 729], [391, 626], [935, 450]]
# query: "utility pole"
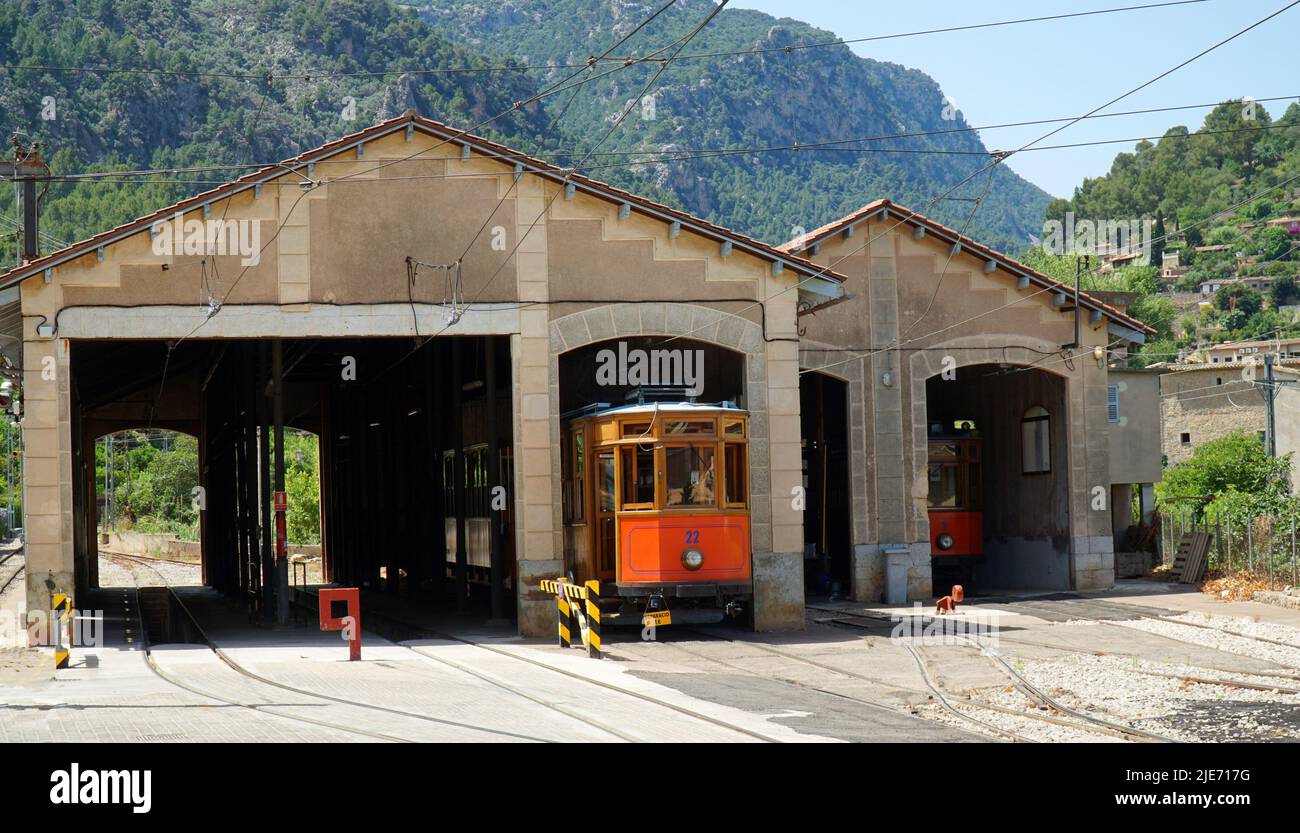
[[26, 169], [1270, 396]]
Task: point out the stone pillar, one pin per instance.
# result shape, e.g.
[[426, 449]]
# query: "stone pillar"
[[47, 470], [537, 435], [884, 381], [778, 547]]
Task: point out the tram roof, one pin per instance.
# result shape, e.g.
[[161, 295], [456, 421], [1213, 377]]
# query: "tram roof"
[[668, 407]]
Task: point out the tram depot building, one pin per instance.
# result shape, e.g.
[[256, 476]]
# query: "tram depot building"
[[444, 314]]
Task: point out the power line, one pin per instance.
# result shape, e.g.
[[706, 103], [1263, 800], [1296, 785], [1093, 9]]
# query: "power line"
[[1095, 110], [1023, 298], [310, 75], [687, 154], [681, 42]]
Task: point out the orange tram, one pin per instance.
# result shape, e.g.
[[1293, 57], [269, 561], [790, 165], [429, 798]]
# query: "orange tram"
[[955, 507], [656, 507]]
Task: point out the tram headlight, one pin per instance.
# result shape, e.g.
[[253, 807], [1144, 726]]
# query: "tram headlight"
[[692, 559], [944, 541]]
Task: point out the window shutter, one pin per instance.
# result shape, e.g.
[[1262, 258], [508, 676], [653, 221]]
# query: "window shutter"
[[1112, 403]]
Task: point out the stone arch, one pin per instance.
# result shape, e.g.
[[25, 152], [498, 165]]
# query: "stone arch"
[[695, 321], [967, 351]]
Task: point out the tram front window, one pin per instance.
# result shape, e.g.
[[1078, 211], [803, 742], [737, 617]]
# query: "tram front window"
[[689, 476], [638, 476], [943, 485]]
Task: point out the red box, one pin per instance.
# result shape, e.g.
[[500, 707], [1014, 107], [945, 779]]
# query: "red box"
[[328, 622]]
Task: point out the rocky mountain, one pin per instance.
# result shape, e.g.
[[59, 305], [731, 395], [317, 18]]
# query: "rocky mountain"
[[129, 84], [775, 94]]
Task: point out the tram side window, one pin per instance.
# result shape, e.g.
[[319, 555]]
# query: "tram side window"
[[689, 476], [638, 476], [579, 477], [476, 482], [449, 484], [737, 478], [566, 478], [943, 485]]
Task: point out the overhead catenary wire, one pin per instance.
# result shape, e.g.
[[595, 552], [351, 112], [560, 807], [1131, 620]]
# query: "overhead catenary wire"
[[310, 75], [1021, 299], [112, 177], [999, 157], [627, 110], [216, 308]]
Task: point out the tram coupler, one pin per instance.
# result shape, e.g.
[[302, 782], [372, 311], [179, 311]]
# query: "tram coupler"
[[656, 612], [735, 609]]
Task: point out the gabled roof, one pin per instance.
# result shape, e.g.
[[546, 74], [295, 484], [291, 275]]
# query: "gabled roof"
[[813, 277], [1127, 326]]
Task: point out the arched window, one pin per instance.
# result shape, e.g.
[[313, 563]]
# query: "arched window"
[[1036, 441]]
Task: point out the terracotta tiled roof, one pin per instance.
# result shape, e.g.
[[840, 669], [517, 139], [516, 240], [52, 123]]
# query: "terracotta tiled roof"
[[806, 241], [772, 254]]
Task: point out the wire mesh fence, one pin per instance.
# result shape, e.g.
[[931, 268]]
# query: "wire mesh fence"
[[1262, 546]]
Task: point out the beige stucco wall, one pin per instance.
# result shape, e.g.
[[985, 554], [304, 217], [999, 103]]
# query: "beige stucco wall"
[[1287, 416], [1135, 440], [1207, 403], [909, 293], [550, 271]]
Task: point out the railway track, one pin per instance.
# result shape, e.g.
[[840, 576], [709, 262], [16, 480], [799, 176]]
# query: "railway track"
[[1091, 723], [490, 679], [941, 696], [945, 698], [147, 558], [278, 711], [4, 585]]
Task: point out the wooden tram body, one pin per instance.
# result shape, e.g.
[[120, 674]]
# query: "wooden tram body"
[[656, 508], [472, 466], [955, 498]]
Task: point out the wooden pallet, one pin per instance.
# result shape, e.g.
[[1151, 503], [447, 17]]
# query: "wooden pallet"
[[1192, 557]]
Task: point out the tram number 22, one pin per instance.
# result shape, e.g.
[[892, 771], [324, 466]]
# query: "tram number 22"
[[692, 536]]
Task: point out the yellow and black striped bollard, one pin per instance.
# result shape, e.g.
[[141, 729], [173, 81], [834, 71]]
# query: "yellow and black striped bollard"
[[593, 619], [566, 618], [62, 608]]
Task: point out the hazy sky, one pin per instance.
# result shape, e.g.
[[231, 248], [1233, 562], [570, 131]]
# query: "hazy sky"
[[1067, 67]]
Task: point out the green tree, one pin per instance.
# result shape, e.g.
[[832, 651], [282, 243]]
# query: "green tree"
[[1241, 298], [1282, 291], [302, 484], [1271, 242], [1235, 462]]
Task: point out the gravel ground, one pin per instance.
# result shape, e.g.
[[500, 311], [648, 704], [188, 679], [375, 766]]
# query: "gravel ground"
[[1117, 689], [116, 574], [1226, 641], [1129, 690], [1132, 691], [1027, 727]]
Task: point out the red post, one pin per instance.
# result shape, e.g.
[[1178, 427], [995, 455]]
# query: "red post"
[[350, 623]]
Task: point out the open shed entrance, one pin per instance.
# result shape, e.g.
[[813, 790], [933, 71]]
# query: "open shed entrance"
[[401, 448], [996, 478], [827, 522]]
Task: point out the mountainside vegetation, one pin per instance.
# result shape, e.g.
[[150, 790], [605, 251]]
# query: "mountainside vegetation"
[[1226, 199], [212, 97], [776, 95], [232, 115]]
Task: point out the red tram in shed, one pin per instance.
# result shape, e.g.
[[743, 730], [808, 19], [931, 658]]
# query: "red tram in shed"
[[955, 499], [656, 508]]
